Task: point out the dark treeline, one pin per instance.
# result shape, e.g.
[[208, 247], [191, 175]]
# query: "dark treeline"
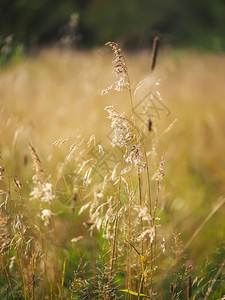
[[85, 23]]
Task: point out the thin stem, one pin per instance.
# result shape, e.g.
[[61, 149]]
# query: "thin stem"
[[156, 201], [7, 276], [152, 270], [63, 273], [116, 228], [140, 202], [131, 101], [95, 255], [148, 180], [21, 270], [129, 88], [56, 253], [129, 248], [33, 276]]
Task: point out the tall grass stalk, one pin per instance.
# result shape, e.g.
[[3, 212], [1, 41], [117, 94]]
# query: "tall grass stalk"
[[56, 253], [22, 275], [7, 276], [33, 276], [65, 231]]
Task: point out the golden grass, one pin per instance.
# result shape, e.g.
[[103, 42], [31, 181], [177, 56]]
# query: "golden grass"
[[58, 95]]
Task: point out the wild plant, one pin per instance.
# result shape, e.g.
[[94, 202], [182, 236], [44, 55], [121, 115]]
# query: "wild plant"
[[121, 248], [126, 204]]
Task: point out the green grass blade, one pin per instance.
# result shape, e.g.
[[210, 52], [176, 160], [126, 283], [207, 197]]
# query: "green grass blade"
[[134, 293]]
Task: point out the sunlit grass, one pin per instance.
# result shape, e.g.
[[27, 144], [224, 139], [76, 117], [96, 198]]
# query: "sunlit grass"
[[57, 95]]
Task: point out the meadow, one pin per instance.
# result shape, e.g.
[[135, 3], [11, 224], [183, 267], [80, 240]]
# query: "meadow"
[[112, 193]]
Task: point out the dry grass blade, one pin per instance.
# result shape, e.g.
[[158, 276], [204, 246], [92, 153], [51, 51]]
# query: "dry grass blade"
[[200, 227]]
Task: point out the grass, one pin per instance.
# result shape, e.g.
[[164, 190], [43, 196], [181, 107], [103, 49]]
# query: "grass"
[[81, 219]]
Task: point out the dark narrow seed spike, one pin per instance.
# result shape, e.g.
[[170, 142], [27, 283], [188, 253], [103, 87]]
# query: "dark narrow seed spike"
[[149, 125], [154, 52], [189, 286], [171, 288]]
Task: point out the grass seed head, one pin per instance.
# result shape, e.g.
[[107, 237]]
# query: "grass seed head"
[[37, 162], [123, 133], [46, 216], [119, 69]]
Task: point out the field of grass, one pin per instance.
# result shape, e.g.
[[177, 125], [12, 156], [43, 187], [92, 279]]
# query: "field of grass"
[[84, 219]]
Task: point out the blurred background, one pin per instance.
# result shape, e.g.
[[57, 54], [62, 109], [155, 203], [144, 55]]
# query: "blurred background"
[[53, 68], [134, 23]]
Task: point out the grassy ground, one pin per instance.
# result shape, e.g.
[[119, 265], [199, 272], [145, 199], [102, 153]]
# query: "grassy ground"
[[57, 95]]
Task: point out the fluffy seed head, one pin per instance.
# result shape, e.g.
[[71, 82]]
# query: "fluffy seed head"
[[119, 69]]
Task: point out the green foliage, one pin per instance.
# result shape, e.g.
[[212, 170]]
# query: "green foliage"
[[211, 280], [10, 51]]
